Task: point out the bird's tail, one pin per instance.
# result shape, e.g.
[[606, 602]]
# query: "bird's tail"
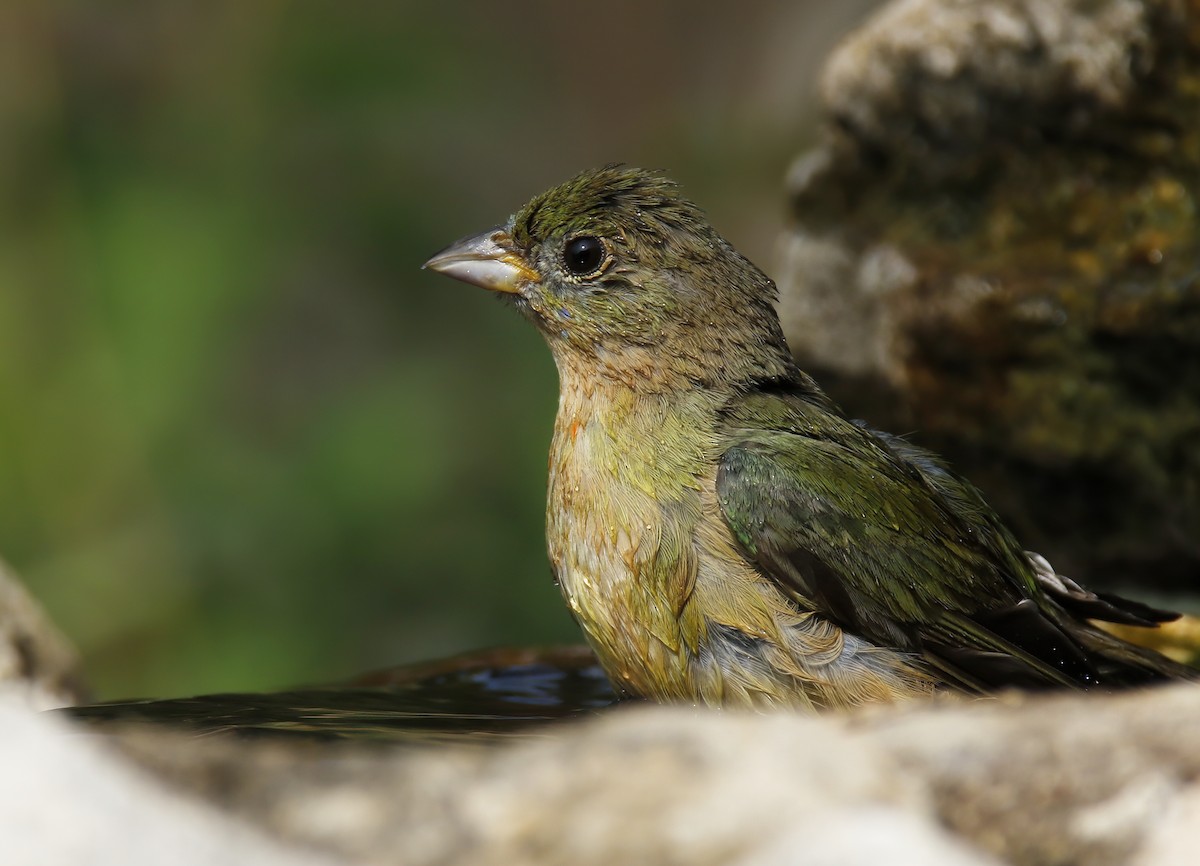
[[1119, 662]]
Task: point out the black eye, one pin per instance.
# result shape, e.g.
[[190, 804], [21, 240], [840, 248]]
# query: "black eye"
[[584, 255]]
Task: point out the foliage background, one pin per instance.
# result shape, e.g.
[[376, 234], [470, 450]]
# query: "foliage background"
[[244, 441]]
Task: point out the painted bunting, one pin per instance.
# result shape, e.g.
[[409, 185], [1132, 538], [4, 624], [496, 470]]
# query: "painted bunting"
[[720, 530]]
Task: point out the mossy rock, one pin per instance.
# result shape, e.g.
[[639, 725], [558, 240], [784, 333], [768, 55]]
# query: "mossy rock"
[[997, 247]]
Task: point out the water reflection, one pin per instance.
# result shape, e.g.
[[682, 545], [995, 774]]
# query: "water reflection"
[[480, 696]]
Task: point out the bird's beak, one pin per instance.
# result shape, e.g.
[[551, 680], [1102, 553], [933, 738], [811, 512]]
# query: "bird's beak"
[[486, 260]]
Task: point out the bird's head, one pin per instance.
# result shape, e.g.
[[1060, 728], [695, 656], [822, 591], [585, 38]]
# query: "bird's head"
[[627, 280]]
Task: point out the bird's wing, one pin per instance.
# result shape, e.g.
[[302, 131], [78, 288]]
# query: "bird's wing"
[[832, 514]]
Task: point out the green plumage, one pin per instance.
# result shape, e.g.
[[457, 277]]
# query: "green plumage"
[[722, 533]]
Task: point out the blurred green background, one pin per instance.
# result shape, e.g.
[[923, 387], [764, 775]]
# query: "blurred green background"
[[244, 441]]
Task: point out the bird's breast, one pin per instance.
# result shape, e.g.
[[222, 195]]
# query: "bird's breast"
[[619, 543]]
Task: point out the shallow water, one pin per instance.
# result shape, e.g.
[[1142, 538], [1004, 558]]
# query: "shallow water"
[[479, 696]]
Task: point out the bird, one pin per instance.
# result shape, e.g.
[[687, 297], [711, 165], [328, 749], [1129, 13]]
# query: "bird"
[[722, 532]]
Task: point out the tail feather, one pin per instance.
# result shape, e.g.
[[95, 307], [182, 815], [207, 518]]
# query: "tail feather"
[[1117, 662], [1121, 663], [1094, 605]]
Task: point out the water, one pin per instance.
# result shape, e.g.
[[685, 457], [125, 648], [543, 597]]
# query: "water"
[[481, 696]]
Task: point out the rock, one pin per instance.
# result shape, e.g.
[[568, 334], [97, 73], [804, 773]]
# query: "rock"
[[36, 661], [68, 799], [1091, 780], [997, 246], [652, 784], [1058, 780], [945, 85]]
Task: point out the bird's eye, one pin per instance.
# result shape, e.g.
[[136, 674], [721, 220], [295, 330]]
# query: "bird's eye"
[[584, 255]]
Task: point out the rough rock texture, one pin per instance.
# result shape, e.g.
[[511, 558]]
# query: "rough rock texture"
[[1087, 780], [35, 659], [998, 247]]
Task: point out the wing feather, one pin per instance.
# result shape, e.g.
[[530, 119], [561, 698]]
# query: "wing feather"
[[851, 529]]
